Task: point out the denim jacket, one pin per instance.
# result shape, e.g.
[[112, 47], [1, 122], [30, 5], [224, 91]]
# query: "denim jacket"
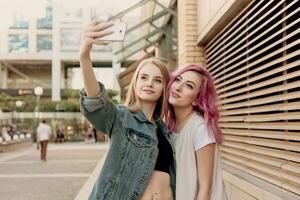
[[133, 151]]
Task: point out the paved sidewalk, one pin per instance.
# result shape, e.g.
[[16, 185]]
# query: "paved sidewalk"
[[24, 177]]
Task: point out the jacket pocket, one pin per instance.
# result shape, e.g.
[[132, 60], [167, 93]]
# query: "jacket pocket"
[[139, 139]]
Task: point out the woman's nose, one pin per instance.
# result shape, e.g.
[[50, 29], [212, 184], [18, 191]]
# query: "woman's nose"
[[149, 84], [178, 87]]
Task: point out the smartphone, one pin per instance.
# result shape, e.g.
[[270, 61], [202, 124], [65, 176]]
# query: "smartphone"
[[119, 29]]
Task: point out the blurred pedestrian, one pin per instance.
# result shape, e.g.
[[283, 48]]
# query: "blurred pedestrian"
[[60, 136], [43, 135], [4, 133]]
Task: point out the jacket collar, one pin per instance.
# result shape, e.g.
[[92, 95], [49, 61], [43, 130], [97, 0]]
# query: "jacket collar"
[[140, 116]]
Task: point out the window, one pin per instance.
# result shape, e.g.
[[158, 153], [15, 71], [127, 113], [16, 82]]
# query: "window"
[[70, 39], [18, 43], [255, 64], [45, 22], [44, 43], [19, 22], [71, 15]]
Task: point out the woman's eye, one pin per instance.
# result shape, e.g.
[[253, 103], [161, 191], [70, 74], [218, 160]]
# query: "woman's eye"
[[177, 79], [143, 77], [158, 80], [189, 86]]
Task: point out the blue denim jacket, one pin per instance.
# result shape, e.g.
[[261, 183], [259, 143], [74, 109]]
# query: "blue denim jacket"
[[133, 151]]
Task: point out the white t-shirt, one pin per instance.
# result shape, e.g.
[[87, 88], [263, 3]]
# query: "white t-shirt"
[[194, 136], [43, 132]]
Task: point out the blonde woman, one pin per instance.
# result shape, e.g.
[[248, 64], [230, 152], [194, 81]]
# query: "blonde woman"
[[140, 162]]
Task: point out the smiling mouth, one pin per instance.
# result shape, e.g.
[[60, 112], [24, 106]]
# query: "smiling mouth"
[[175, 95], [148, 91]]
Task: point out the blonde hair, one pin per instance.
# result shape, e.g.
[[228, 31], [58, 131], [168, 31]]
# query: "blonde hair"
[[132, 101]]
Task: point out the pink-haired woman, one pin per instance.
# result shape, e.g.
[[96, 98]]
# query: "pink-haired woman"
[[192, 117]]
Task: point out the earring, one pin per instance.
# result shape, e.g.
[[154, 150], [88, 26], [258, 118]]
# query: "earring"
[[194, 103]]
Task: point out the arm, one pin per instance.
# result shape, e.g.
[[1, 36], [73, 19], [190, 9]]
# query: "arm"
[[93, 31], [205, 167], [95, 104]]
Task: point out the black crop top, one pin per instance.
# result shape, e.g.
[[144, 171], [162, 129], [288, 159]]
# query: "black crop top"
[[165, 154]]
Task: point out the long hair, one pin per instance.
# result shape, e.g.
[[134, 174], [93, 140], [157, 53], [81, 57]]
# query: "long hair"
[[206, 101], [134, 103]]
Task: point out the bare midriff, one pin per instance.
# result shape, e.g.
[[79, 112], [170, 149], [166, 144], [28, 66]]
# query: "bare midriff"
[[158, 188]]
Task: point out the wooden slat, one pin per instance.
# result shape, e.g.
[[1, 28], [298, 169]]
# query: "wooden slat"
[[238, 41], [282, 154], [272, 179], [226, 39], [268, 169], [294, 167], [259, 90], [287, 86], [257, 69], [231, 26], [258, 109], [264, 134], [262, 117], [232, 67], [262, 83], [279, 144], [276, 162], [265, 126], [221, 64], [265, 100], [260, 76]]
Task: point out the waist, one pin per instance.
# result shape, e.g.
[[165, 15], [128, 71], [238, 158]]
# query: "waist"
[[158, 187]]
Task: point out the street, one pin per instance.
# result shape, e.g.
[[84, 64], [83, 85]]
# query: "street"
[[24, 177]]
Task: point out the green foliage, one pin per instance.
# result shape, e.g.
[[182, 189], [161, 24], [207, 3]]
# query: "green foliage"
[[69, 103], [71, 93], [112, 94]]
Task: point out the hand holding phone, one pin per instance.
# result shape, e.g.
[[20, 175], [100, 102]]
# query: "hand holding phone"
[[118, 29]]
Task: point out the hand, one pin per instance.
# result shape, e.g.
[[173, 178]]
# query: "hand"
[[94, 30]]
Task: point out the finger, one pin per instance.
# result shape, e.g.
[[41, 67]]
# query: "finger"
[[101, 26], [99, 21], [98, 34], [99, 42], [93, 22]]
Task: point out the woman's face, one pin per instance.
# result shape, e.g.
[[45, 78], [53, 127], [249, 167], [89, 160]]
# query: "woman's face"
[[185, 89], [149, 83]]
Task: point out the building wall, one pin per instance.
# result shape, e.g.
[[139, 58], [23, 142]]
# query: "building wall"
[[188, 50], [252, 50], [52, 41]]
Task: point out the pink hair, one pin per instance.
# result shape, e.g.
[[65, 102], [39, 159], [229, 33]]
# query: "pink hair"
[[206, 102]]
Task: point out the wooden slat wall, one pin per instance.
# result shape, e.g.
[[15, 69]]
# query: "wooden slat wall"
[[256, 66]]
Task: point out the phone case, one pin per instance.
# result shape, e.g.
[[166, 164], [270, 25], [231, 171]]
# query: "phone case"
[[118, 34]]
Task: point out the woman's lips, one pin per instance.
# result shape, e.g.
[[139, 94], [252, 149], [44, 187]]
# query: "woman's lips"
[[175, 95], [148, 91]]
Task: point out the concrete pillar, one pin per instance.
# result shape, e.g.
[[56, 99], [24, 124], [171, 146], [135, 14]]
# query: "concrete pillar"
[[3, 40], [188, 51], [3, 76], [62, 77], [56, 62]]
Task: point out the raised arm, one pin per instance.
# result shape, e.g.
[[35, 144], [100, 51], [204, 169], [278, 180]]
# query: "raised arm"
[[93, 31], [95, 105]]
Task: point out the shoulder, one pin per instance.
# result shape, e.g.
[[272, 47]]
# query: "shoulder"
[[202, 135], [197, 119]]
